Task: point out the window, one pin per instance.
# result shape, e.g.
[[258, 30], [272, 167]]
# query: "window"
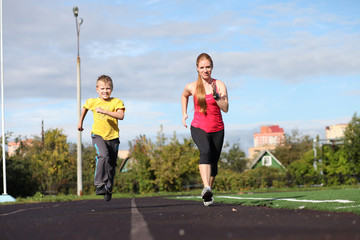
[[266, 161]]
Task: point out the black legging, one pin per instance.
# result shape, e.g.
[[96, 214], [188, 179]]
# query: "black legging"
[[210, 145]]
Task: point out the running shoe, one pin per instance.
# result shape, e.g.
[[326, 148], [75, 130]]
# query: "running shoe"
[[206, 194], [210, 203], [100, 190], [108, 194]]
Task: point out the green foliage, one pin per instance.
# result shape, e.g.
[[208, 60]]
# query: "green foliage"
[[41, 166], [352, 146], [88, 167], [234, 159], [293, 148], [160, 166], [261, 177], [302, 171], [341, 161], [20, 182], [140, 153], [175, 164], [335, 165], [51, 164]]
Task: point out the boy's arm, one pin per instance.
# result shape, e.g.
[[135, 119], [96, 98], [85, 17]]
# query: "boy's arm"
[[119, 114], [82, 116]]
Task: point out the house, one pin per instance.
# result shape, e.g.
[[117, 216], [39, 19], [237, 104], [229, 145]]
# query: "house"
[[265, 158], [13, 146], [335, 131], [268, 139]]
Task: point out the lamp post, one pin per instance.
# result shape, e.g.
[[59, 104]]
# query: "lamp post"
[[79, 158]]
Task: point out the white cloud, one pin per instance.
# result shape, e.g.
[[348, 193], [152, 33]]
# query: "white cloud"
[[150, 49]]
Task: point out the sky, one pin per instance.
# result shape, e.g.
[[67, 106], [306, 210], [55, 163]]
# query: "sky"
[[295, 64]]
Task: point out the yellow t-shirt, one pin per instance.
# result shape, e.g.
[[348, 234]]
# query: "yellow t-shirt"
[[104, 125]]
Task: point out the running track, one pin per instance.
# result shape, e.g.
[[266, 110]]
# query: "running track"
[[160, 218]]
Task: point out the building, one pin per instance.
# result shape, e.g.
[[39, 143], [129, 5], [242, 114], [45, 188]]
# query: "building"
[[268, 138], [335, 131], [265, 158], [12, 146]]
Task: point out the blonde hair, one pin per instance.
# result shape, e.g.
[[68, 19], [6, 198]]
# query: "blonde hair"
[[105, 79], [200, 89]]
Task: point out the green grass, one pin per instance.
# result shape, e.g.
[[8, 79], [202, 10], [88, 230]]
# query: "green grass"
[[38, 197], [274, 198], [322, 200]]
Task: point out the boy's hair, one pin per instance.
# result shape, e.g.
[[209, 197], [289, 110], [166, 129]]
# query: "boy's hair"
[[105, 79]]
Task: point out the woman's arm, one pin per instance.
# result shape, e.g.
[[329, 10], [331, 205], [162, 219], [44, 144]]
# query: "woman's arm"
[[184, 102], [223, 101]]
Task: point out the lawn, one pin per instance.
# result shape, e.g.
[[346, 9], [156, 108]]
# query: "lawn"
[[324, 199], [333, 200]]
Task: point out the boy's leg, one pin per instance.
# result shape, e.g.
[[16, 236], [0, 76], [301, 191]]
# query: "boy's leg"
[[101, 159], [113, 148]]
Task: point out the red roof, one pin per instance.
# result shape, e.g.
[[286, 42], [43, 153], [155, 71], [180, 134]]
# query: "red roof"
[[271, 129]]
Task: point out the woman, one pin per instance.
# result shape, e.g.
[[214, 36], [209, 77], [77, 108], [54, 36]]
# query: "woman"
[[207, 128]]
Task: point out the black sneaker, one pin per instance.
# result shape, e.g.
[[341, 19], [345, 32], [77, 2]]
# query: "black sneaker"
[[100, 190], [108, 194]]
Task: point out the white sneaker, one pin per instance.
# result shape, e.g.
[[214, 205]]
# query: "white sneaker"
[[209, 203], [207, 196]]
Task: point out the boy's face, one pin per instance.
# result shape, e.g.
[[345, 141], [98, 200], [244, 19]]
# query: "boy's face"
[[104, 90]]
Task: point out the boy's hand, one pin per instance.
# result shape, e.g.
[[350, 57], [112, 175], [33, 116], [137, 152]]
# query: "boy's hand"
[[80, 128], [99, 110]]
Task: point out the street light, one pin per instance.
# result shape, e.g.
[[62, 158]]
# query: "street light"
[[79, 158]]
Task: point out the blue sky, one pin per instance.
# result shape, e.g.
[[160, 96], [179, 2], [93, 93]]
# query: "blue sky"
[[290, 63]]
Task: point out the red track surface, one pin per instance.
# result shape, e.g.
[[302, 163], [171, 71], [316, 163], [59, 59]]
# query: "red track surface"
[[160, 218]]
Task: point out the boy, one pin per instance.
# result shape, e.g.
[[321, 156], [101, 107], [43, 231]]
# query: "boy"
[[105, 133]]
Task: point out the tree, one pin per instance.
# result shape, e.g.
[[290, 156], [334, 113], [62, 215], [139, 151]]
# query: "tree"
[[88, 166], [352, 146], [302, 171], [20, 182], [234, 159], [51, 164], [140, 153], [175, 164], [293, 148]]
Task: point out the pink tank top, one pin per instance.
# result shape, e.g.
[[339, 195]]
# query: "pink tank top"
[[211, 121]]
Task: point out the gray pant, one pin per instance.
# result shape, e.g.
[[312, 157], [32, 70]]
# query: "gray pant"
[[107, 151]]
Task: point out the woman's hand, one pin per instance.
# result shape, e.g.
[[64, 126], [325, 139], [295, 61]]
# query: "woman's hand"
[[185, 116]]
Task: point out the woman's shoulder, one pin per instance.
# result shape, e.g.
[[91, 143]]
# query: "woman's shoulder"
[[191, 85], [219, 82]]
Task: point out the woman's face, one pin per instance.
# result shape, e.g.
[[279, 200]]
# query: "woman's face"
[[204, 68]]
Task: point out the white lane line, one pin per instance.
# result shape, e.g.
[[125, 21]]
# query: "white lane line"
[[291, 199], [17, 211], [139, 228], [356, 206], [282, 199]]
